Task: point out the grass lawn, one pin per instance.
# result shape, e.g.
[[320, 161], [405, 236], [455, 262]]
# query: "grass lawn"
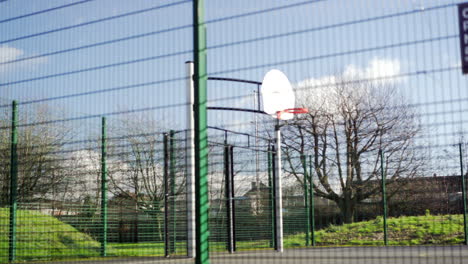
[[408, 230], [42, 237]]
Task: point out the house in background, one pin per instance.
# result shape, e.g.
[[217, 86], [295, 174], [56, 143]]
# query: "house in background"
[[54, 207], [257, 200], [438, 194], [416, 196]]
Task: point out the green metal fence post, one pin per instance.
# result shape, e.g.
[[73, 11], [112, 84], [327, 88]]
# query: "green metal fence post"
[[384, 196], [306, 201], [463, 180], [228, 197], [273, 195], [172, 164], [104, 187], [233, 196], [201, 140], [312, 204], [13, 182], [166, 195], [270, 197]]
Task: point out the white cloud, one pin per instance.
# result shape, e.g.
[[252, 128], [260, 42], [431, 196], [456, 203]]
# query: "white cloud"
[[379, 71], [8, 53], [321, 91], [456, 64]]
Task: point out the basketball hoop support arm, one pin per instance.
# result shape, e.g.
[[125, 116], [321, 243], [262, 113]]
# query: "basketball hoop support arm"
[[241, 81]]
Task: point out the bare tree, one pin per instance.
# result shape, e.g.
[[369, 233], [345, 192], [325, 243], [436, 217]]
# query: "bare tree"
[[40, 146], [136, 164], [348, 122]]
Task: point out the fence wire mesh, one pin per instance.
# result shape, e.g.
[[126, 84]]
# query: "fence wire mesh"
[[96, 155]]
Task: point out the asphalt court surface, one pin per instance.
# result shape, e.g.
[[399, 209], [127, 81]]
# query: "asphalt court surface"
[[338, 255]]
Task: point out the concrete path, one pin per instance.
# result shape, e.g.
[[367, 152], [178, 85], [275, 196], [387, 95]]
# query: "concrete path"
[[343, 255]]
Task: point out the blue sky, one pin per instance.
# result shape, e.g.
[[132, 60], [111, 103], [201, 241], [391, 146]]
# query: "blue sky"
[[304, 39]]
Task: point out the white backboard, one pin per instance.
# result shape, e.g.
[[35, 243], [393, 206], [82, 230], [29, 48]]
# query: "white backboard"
[[277, 94]]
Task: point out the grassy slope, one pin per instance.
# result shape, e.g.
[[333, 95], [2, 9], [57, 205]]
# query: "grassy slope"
[[410, 230], [44, 237]]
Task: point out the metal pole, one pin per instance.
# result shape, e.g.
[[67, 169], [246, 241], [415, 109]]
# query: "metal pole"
[[228, 196], [273, 196], [104, 187], [166, 196], [258, 97], [190, 163], [270, 197], [312, 204], [384, 197], [201, 135], [465, 226], [257, 165], [306, 201], [172, 164], [13, 182], [233, 196], [278, 192]]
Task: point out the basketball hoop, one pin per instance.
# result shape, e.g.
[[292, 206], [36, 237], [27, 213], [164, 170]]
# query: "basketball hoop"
[[292, 111]]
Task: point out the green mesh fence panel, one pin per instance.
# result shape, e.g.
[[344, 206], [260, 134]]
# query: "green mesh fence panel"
[[373, 172]]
